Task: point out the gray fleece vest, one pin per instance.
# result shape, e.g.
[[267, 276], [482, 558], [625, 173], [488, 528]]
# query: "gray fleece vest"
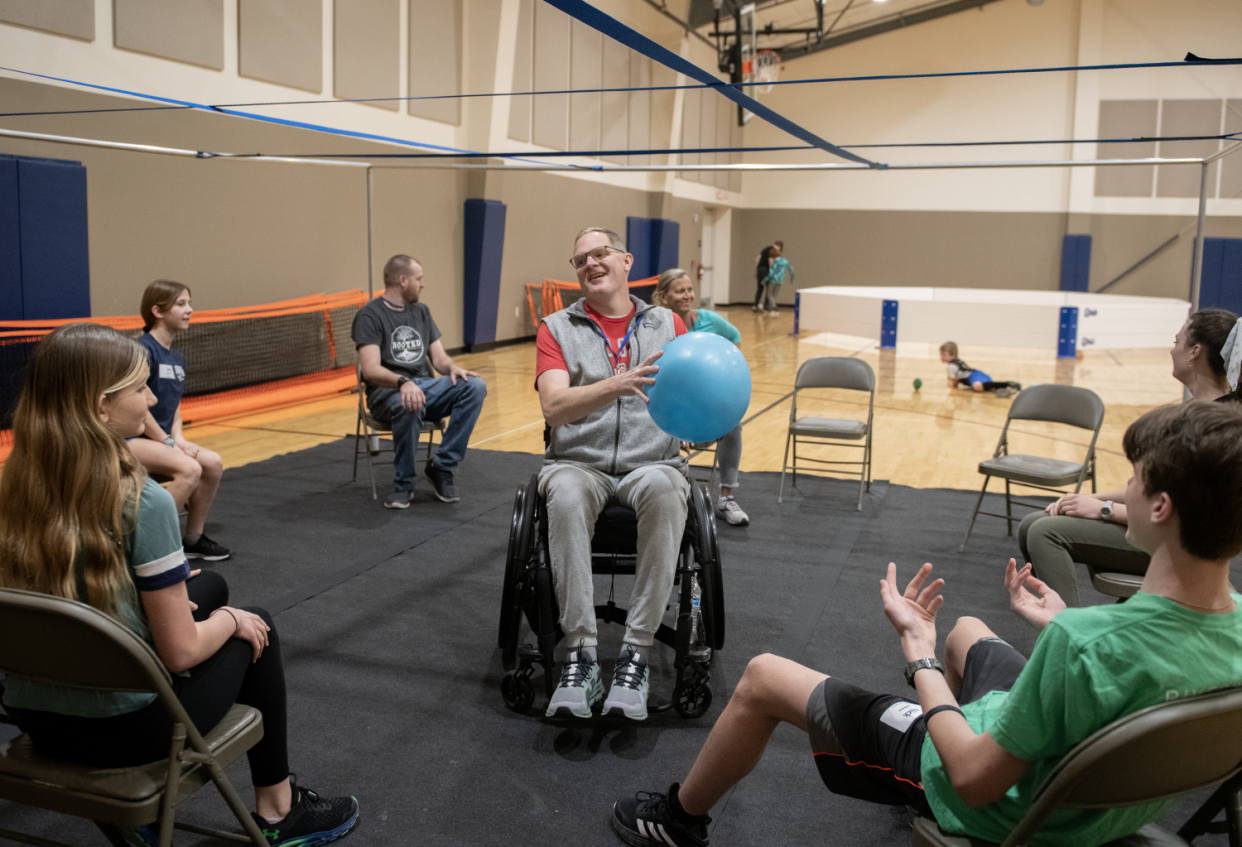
[[620, 436]]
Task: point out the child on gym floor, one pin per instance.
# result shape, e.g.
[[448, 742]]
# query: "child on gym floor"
[[961, 373]]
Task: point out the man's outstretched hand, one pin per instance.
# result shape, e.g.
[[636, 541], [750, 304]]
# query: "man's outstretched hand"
[[913, 612], [635, 380], [1039, 604]]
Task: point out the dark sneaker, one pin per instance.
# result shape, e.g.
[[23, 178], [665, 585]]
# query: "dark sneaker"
[[648, 820], [627, 698], [579, 689], [207, 550], [398, 500], [441, 483], [311, 820]]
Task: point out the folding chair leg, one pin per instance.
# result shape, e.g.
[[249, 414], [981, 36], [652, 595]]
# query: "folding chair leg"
[[371, 462], [168, 803], [236, 805], [1008, 512], [357, 439], [784, 464], [974, 514]]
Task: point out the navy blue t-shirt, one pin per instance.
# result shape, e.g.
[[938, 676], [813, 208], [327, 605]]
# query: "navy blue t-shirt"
[[167, 380]]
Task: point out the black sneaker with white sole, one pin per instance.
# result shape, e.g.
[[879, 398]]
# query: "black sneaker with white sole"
[[441, 483], [312, 819], [650, 819], [207, 550], [398, 500]]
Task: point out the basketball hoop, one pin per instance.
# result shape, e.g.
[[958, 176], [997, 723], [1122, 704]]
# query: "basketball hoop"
[[767, 66]]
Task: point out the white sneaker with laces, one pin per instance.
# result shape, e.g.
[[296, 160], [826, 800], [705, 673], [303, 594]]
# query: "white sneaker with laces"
[[579, 688], [730, 512], [628, 696]]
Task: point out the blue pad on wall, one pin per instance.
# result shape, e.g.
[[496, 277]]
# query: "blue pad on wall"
[[484, 241], [1220, 285]]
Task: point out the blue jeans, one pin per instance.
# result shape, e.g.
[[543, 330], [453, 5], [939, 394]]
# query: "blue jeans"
[[461, 403]]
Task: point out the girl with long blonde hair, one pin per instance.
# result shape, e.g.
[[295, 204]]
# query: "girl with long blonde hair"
[[80, 519]]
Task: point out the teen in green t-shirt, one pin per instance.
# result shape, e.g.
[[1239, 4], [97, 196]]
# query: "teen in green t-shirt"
[[988, 727]]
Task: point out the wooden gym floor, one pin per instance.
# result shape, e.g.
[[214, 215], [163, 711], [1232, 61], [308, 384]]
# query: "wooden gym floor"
[[931, 438]]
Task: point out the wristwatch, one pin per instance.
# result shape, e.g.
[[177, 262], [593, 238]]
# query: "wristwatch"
[[918, 664], [1106, 511], [169, 442], [402, 380]]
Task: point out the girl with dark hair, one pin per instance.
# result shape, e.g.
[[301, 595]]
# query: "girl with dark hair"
[[80, 519], [1206, 354]]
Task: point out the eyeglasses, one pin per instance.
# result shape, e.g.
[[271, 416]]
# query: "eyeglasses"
[[597, 254]]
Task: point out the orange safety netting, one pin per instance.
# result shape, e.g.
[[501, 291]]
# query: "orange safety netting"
[[549, 292], [330, 371]]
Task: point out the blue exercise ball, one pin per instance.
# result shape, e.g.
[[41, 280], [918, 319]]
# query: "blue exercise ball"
[[702, 389]]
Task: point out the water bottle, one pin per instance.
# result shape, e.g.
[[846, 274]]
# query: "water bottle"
[[698, 640]]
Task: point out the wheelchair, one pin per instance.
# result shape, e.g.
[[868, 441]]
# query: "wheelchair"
[[528, 592]]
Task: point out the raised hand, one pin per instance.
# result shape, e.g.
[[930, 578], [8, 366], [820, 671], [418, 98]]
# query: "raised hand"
[[913, 612], [634, 380], [1030, 598]]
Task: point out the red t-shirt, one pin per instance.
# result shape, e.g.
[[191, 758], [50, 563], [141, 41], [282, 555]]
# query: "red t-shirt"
[[548, 355]]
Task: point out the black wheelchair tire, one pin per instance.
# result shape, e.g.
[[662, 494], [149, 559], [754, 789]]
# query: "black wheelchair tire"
[[694, 701], [517, 690], [521, 548], [711, 582]]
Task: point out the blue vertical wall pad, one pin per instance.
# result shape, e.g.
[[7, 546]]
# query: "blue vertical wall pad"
[[655, 245], [1067, 333], [484, 241], [888, 325], [1075, 262], [11, 308], [1220, 284]]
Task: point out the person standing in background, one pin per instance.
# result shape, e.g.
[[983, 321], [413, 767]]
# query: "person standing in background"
[[763, 262], [778, 273]]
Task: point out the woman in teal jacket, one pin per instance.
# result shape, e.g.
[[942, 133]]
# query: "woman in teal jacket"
[[675, 291]]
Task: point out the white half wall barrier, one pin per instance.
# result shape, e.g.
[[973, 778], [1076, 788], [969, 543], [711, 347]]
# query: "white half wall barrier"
[[1063, 321]]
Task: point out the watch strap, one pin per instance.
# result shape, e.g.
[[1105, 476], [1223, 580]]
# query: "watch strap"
[[919, 664]]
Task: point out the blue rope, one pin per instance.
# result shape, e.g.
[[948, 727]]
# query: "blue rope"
[[640, 43]]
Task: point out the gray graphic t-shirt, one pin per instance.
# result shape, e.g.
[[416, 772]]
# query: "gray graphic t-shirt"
[[404, 338]]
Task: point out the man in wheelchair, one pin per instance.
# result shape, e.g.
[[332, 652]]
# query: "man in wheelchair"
[[1002, 723], [594, 359]]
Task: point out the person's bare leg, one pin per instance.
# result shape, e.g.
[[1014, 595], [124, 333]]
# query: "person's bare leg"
[[964, 635], [976, 387], [163, 460], [209, 483], [771, 690], [273, 801]]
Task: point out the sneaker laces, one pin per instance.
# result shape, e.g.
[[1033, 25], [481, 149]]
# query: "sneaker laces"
[[574, 674], [728, 504], [629, 674]]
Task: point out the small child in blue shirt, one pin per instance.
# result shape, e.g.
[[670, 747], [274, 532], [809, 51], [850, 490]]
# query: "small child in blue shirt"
[[962, 374]]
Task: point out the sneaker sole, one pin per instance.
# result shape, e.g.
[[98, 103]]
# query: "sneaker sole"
[[725, 517], [620, 712], [325, 837], [404, 505], [436, 491], [629, 836], [207, 558], [565, 713]]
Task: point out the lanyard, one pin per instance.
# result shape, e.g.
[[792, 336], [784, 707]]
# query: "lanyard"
[[616, 357]]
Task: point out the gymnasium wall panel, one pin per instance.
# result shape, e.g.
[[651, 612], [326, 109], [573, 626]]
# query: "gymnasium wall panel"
[[281, 41], [615, 105], [189, 30], [366, 52], [586, 53], [707, 135], [1126, 119], [435, 58], [640, 109], [552, 54], [691, 110], [1182, 118], [75, 18], [1231, 165], [523, 68]]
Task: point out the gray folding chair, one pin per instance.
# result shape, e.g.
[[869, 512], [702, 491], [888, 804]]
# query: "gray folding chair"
[[1158, 752], [831, 372], [1064, 404], [368, 430], [69, 643]]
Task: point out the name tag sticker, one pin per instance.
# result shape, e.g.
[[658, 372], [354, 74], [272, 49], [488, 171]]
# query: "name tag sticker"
[[166, 372], [900, 715]]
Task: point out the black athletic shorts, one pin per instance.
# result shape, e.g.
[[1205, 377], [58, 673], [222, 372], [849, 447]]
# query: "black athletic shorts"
[[870, 746]]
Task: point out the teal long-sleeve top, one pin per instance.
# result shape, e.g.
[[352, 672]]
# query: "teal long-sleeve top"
[[709, 321]]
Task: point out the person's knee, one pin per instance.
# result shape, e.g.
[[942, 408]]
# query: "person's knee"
[[966, 631], [210, 463], [476, 387], [187, 471], [977, 387], [267, 619], [756, 680]]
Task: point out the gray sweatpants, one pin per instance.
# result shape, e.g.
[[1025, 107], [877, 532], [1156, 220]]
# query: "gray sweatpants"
[[1053, 543], [729, 455], [575, 496]]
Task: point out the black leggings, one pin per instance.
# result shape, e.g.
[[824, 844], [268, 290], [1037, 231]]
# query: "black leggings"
[[229, 676]]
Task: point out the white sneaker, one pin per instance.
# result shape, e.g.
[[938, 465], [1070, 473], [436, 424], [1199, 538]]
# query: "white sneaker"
[[628, 696], [579, 689], [730, 512]]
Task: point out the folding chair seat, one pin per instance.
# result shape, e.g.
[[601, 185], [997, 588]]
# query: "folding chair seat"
[[69, 643], [368, 430], [1062, 404]]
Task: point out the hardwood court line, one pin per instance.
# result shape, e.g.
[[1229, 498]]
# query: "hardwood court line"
[[503, 434]]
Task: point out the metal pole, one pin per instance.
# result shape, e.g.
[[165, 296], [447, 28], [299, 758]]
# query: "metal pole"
[[1196, 262], [370, 251]]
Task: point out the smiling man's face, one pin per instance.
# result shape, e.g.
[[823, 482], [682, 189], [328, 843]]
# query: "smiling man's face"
[[602, 278]]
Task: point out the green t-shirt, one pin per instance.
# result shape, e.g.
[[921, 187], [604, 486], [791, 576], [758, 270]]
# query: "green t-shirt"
[[155, 559], [1090, 667]]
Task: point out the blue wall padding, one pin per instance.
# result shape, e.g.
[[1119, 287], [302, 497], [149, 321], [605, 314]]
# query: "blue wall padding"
[[10, 244], [56, 257], [1220, 284], [1075, 262], [1067, 333], [484, 238], [888, 325], [638, 242], [665, 237]]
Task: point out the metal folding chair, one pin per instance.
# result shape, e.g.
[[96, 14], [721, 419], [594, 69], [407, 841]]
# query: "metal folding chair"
[[371, 429]]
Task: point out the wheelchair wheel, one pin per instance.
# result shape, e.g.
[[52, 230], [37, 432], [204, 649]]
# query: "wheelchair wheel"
[[695, 699], [517, 690], [517, 560], [710, 580]]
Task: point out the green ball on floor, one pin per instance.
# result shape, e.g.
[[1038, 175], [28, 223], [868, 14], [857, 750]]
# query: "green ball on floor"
[[918, 383]]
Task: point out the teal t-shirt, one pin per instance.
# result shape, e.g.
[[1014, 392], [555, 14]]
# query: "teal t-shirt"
[[155, 560], [779, 271], [709, 321], [1090, 667]]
